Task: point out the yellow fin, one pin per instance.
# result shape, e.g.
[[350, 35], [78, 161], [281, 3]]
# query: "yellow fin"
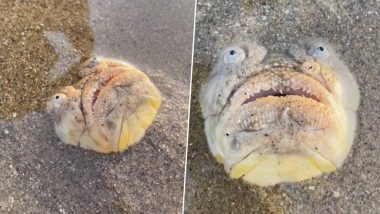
[[244, 166], [134, 126], [271, 169], [123, 141], [266, 171], [146, 114]]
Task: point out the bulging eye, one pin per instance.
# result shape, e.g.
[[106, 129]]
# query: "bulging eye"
[[318, 51], [92, 62], [58, 100], [234, 55]]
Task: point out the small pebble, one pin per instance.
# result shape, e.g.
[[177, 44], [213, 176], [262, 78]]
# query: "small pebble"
[[336, 194], [6, 132], [312, 188]]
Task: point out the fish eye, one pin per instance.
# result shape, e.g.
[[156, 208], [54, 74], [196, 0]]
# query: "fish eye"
[[234, 55], [318, 51], [92, 62], [58, 100]]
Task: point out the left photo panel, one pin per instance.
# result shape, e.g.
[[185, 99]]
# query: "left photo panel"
[[94, 102]]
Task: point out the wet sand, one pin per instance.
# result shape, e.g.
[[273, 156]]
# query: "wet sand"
[[27, 57], [352, 27], [42, 175]]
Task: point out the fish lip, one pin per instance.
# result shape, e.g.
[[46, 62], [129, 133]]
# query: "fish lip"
[[281, 89], [303, 86], [287, 91], [277, 112]]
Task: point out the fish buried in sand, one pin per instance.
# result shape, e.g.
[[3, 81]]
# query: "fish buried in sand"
[[108, 110], [273, 118]]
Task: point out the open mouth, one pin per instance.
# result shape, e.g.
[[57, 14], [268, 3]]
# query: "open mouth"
[[281, 84], [275, 99], [287, 91]]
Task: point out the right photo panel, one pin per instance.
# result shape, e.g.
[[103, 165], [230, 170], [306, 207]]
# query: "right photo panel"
[[284, 108]]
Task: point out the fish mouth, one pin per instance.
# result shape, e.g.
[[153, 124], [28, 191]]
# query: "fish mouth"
[[278, 112], [286, 91], [272, 100]]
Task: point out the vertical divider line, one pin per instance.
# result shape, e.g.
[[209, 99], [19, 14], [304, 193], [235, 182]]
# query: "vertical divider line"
[[189, 107]]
